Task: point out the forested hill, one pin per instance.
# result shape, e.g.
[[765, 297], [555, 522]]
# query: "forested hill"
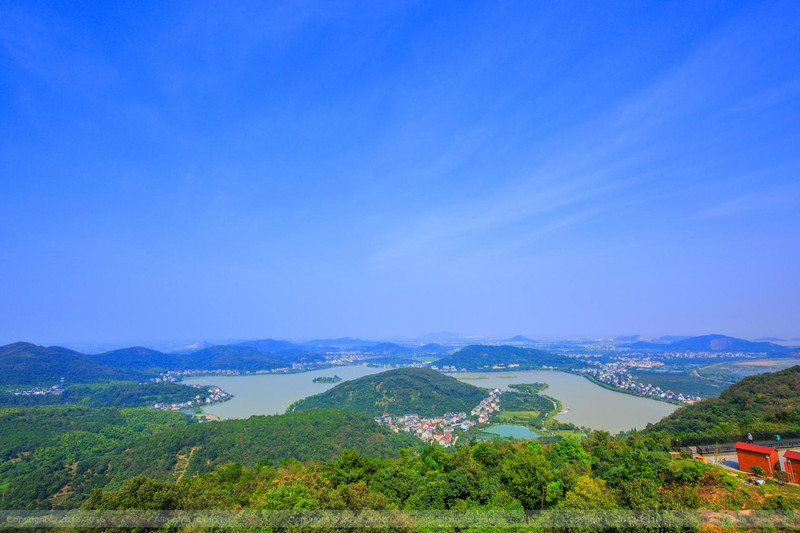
[[54, 457], [23, 363], [480, 357], [139, 358], [26, 364], [419, 391], [762, 404]]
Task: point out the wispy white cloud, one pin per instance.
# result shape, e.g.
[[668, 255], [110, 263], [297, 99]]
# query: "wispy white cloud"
[[770, 97], [776, 198], [632, 154]]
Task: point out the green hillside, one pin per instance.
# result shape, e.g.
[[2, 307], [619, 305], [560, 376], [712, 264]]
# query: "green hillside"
[[23, 363], [55, 457], [480, 357], [420, 391], [763, 404]]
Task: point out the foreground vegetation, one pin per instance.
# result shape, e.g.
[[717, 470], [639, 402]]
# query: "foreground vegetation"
[[55, 457], [601, 473]]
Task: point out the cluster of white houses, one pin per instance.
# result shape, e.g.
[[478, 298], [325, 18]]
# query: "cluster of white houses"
[[215, 395], [40, 391], [487, 406], [441, 430]]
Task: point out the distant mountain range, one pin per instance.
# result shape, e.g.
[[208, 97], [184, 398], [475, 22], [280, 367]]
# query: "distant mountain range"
[[269, 345], [672, 338], [24, 363], [519, 339], [629, 338], [714, 343], [438, 337], [401, 391]]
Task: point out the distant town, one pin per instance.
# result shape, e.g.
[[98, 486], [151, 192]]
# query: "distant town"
[[617, 374]]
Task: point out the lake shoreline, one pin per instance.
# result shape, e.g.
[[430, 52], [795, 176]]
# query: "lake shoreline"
[[582, 402], [578, 401]]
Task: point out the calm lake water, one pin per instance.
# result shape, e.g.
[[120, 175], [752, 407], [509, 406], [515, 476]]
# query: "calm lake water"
[[510, 430], [585, 403], [269, 394]]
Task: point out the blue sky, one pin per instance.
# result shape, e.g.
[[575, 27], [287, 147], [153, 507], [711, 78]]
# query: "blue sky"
[[243, 170]]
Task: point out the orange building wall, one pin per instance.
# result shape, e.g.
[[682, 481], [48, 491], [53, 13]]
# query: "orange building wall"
[[793, 470], [749, 459]]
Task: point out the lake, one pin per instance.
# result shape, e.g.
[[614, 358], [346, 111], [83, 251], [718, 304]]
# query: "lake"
[[585, 403], [270, 394]]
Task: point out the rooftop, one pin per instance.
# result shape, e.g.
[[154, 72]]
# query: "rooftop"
[[743, 446]]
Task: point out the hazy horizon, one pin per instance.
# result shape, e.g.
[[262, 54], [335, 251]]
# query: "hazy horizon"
[[198, 170], [93, 346]]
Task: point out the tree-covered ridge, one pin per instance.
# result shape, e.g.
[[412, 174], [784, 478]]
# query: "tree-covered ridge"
[[401, 391], [320, 434], [108, 394], [139, 358], [26, 364], [759, 404], [480, 357], [600, 473], [23, 363], [55, 456]]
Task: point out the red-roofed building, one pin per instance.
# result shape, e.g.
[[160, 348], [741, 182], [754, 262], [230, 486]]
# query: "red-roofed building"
[[750, 455], [792, 465]]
